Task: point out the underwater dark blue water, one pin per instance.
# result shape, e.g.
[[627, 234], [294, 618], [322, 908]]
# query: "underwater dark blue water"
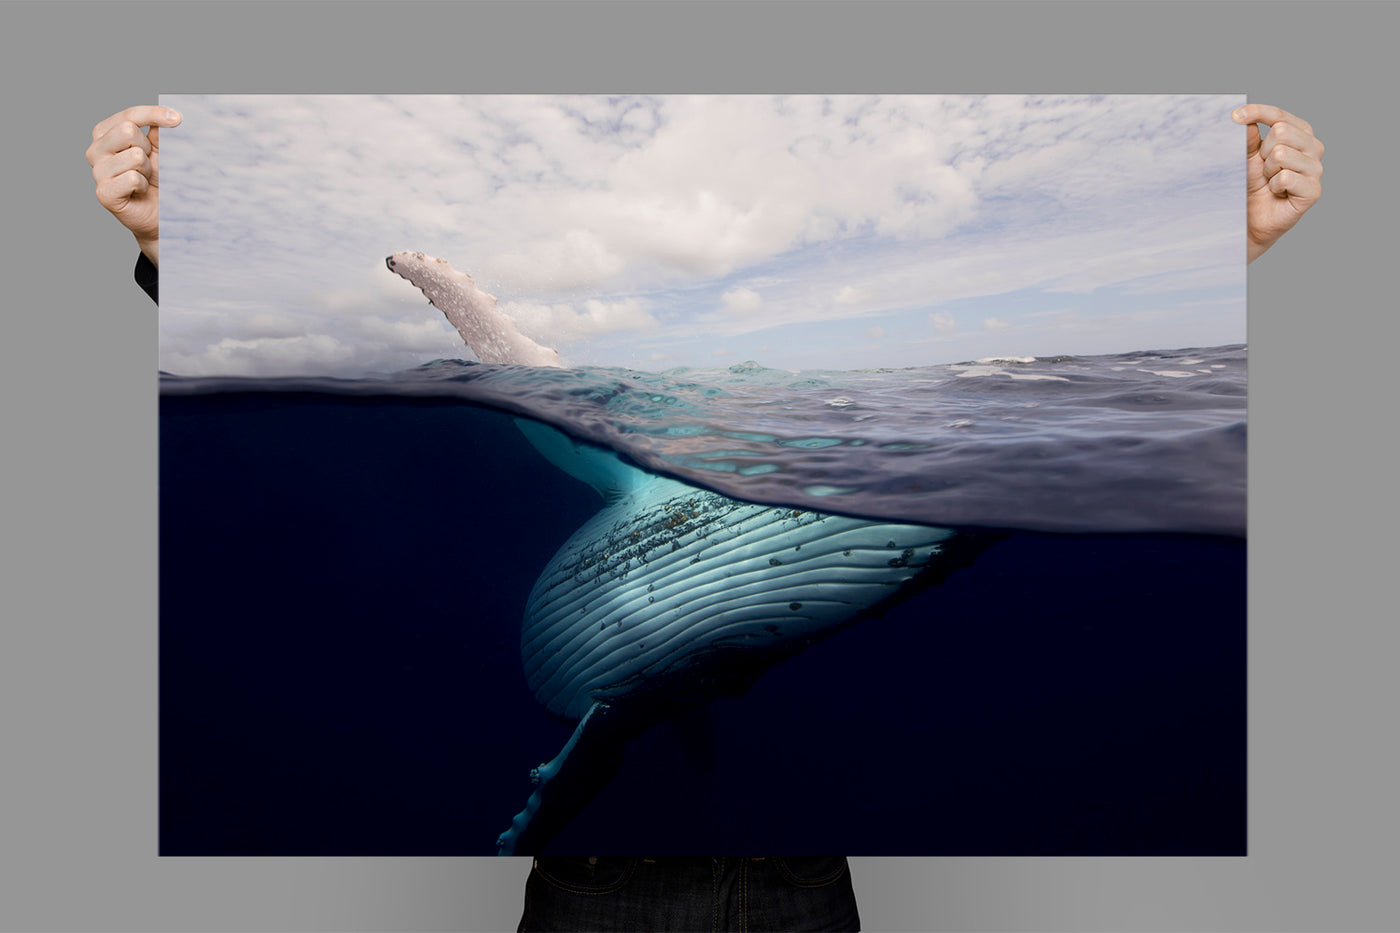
[[344, 564]]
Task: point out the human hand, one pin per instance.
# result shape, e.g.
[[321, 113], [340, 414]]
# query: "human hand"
[[1283, 174], [125, 165]]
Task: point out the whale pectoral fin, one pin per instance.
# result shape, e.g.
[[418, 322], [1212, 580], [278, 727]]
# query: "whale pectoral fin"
[[567, 783], [491, 334], [602, 469]]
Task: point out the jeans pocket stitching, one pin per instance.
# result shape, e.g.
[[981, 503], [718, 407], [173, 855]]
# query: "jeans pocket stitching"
[[820, 881], [574, 888]]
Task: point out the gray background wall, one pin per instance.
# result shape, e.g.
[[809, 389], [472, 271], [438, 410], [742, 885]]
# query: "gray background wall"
[[78, 636]]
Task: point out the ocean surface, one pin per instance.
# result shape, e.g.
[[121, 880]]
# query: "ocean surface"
[[345, 563]]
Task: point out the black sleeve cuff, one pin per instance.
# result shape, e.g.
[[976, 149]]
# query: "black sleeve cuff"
[[148, 277]]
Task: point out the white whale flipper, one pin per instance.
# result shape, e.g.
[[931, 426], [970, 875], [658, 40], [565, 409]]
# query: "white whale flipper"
[[493, 337]]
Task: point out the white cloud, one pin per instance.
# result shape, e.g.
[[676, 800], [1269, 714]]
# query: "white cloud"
[[309, 354], [848, 295], [992, 323], [559, 324], [426, 334], [578, 259], [943, 322], [742, 300]]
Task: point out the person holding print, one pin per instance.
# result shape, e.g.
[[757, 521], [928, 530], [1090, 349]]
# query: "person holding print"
[[1283, 181]]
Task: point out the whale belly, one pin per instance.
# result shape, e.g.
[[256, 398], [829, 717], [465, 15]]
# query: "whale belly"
[[675, 585]]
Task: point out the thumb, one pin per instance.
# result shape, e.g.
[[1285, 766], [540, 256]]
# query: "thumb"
[[1253, 161], [167, 118], [1252, 137], [1252, 140], [154, 157], [172, 118]]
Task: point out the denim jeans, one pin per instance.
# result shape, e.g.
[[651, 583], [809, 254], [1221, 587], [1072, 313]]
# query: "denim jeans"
[[636, 894]]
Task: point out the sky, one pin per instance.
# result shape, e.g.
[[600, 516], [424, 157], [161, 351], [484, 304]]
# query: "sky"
[[655, 232]]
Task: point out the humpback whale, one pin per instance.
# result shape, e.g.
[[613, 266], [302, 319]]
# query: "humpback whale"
[[671, 595]]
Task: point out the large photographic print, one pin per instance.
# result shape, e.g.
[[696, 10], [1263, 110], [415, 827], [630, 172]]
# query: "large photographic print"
[[702, 475]]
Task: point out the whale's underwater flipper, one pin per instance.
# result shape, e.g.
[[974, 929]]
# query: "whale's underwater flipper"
[[672, 594]]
